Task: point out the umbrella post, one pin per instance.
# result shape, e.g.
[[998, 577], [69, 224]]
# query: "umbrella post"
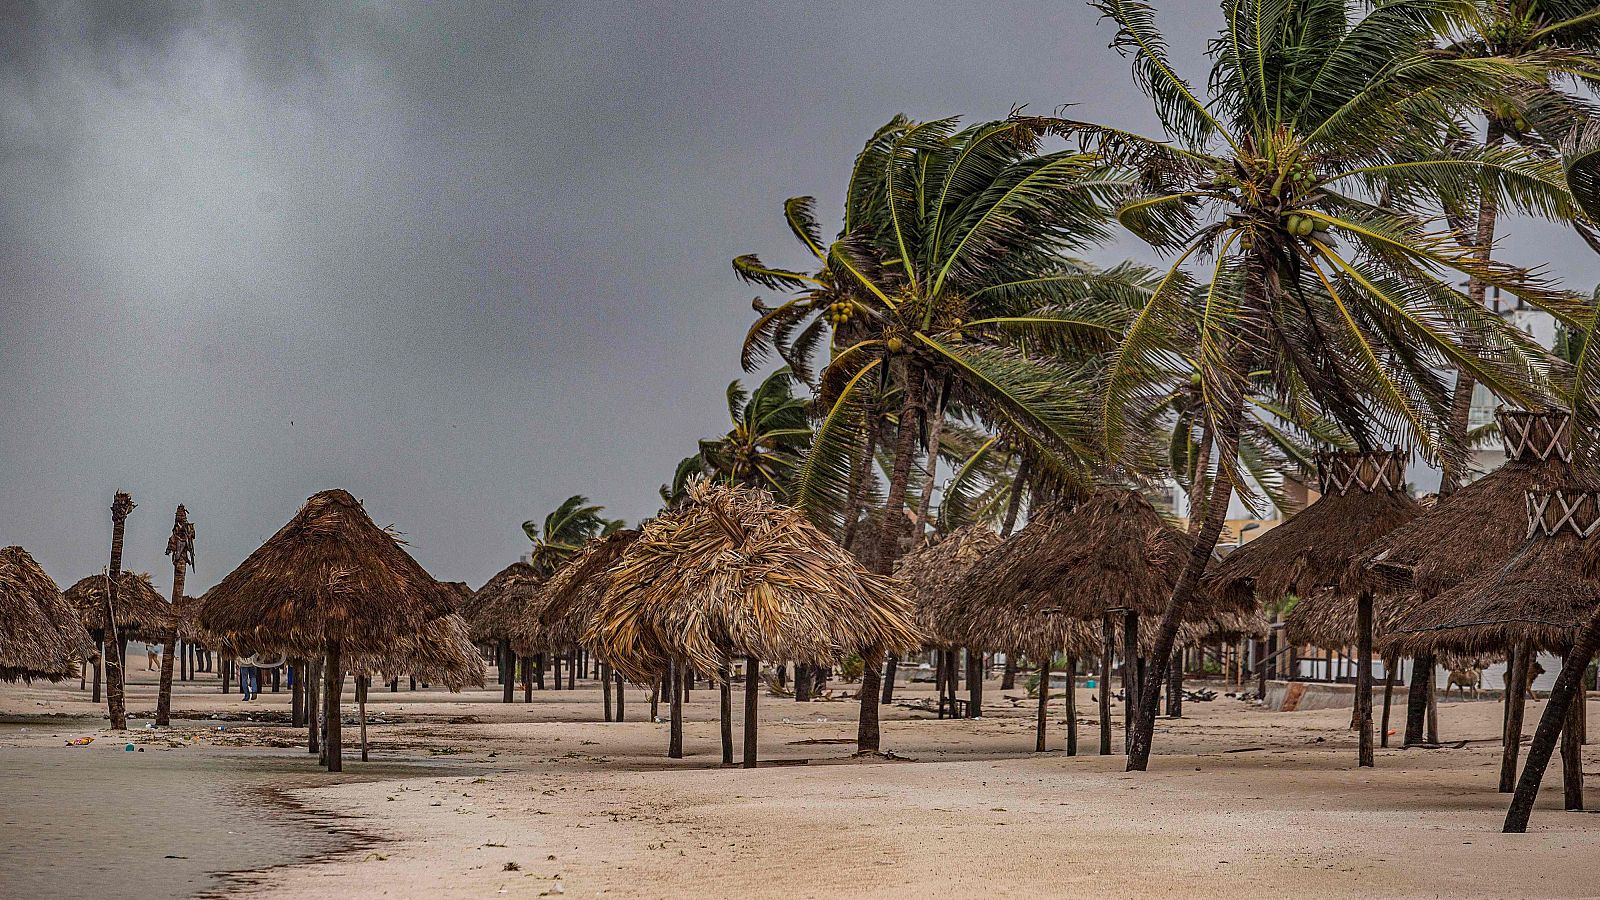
[[675, 706], [605, 687], [1572, 754], [361, 711], [334, 730], [621, 690], [1044, 706], [1390, 662], [725, 713], [310, 684], [752, 686], [1515, 706], [1364, 751], [1107, 643], [1072, 706], [1130, 673]]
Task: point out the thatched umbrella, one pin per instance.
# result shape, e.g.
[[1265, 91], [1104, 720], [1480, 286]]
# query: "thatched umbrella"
[[41, 635], [933, 574], [331, 583], [493, 611], [1084, 562], [1542, 598], [734, 573], [1475, 530], [142, 613], [562, 609], [1364, 496], [440, 652]]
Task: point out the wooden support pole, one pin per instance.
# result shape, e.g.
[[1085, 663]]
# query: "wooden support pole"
[[1044, 706], [1364, 751], [605, 687], [1130, 674], [1072, 706], [974, 683], [621, 690], [1572, 756], [1515, 713], [1175, 684], [752, 689], [1107, 642], [297, 695], [725, 712], [334, 676], [361, 710], [312, 684], [675, 710], [508, 672]]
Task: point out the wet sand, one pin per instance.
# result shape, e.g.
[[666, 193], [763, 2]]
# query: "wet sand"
[[468, 797]]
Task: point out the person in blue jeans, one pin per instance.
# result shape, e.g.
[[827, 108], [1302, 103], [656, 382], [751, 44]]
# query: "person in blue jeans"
[[249, 677]]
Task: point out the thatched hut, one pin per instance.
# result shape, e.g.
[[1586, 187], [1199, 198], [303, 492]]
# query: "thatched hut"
[[1542, 598], [1364, 496], [492, 612], [142, 613], [41, 635], [733, 573], [933, 575], [329, 583]]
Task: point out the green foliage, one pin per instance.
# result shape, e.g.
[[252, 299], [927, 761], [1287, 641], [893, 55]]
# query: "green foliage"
[[565, 531]]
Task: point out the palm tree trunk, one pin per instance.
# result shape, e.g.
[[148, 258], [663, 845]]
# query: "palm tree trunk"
[[178, 547], [860, 478], [752, 696], [802, 683], [868, 737], [116, 703], [891, 667], [1569, 684], [1044, 706], [1019, 485], [1175, 685], [1364, 751], [334, 678], [1072, 706], [1205, 542], [725, 712], [1107, 649], [935, 432]]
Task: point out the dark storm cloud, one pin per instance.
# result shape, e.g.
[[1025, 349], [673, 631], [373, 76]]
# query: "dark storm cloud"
[[461, 259]]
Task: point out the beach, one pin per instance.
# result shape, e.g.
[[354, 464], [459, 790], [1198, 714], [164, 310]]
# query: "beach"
[[469, 797]]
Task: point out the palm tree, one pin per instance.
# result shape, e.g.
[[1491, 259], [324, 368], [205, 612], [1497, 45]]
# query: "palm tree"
[[180, 546], [1294, 181], [950, 266], [116, 664], [771, 429], [564, 533]]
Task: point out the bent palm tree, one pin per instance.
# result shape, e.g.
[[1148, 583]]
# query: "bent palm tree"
[[565, 531], [1292, 181]]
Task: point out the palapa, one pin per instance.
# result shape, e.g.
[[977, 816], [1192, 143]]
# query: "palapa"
[[560, 611], [329, 575], [493, 611], [142, 613], [1309, 556], [933, 575], [732, 573], [440, 652], [41, 635]]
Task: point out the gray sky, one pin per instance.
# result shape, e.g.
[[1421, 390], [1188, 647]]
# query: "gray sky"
[[462, 260]]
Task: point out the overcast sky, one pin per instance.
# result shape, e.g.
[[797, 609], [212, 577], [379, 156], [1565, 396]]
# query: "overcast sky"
[[463, 260]]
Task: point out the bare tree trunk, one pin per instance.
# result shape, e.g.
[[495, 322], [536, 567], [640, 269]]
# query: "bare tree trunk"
[[1364, 752], [572, 671], [538, 671], [116, 663], [868, 737], [1072, 706], [1569, 684], [1044, 706], [179, 546], [1107, 645], [334, 676], [752, 695], [1205, 542]]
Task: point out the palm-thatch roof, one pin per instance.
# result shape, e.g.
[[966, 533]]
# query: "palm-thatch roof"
[[933, 575], [142, 613], [563, 608], [493, 611], [1110, 551], [1364, 496], [1481, 525], [1542, 595], [329, 576], [41, 635], [440, 652], [734, 573]]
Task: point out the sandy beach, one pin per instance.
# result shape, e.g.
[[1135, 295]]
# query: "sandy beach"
[[468, 797]]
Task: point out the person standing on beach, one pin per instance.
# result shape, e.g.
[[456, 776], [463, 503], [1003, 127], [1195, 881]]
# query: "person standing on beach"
[[152, 657], [249, 677]]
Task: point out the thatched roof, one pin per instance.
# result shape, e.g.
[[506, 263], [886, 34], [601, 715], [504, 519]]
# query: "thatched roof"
[[1543, 594], [329, 575], [1111, 551], [142, 613], [562, 609], [1482, 524], [1364, 497], [493, 611], [734, 573], [934, 574], [440, 652], [40, 633]]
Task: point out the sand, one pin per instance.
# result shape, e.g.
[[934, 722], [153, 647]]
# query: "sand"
[[467, 797]]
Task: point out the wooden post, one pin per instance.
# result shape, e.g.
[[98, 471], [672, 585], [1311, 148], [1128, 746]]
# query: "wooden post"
[[538, 671], [334, 676], [802, 683], [1108, 640], [1568, 685], [1572, 755], [974, 683], [1130, 676], [555, 669], [889, 672], [605, 687], [297, 696], [1515, 711], [99, 664], [938, 678], [621, 690], [725, 711], [1175, 684], [1044, 706], [275, 672], [508, 672], [225, 663], [752, 695], [675, 708], [1072, 706], [311, 684], [1417, 698], [1364, 751], [361, 710], [572, 672]]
